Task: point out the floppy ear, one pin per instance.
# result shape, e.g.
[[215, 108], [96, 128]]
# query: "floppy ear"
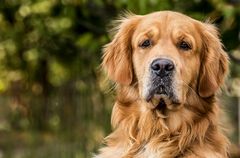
[[117, 57], [214, 62]]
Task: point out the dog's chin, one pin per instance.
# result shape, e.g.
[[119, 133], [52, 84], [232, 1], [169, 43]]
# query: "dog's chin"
[[161, 103]]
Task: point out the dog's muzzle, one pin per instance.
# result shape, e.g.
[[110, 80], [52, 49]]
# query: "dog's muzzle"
[[161, 83]]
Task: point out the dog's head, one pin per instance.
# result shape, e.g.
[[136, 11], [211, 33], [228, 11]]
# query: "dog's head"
[[168, 55]]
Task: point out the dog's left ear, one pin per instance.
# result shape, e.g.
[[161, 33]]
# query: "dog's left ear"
[[214, 62], [117, 57]]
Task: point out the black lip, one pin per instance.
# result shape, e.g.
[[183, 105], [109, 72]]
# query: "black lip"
[[160, 90], [161, 105]]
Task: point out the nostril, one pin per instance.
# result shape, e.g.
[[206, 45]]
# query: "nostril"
[[155, 67], [169, 67]]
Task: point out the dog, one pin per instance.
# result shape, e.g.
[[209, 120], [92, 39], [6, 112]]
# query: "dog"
[[168, 69]]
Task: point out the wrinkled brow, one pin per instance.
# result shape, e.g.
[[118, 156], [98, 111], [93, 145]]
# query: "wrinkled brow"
[[149, 33]]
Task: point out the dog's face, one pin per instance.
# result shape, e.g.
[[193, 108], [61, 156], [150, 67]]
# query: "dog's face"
[[165, 57], [168, 55]]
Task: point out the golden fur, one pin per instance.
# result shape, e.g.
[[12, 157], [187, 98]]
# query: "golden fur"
[[190, 129]]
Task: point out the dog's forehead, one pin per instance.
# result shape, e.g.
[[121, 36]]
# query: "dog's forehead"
[[167, 21], [168, 16]]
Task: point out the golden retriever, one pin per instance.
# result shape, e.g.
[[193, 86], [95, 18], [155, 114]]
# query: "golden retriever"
[[167, 68]]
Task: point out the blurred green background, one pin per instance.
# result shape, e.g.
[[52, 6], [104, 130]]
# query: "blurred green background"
[[53, 100]]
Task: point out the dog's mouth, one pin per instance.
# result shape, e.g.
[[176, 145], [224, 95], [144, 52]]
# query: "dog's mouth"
[[159, 105], [158, 92], [161, 100]]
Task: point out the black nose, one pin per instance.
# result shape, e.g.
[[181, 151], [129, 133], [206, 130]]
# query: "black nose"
[[162, 67]]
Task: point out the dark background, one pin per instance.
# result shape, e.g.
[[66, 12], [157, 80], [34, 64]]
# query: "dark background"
[[54, 101]]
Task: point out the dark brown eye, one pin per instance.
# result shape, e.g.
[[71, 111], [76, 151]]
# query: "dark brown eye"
[[184, 46], [145, 44]]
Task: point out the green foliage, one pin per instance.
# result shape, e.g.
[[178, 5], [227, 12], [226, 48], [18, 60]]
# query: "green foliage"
[[50, 51]]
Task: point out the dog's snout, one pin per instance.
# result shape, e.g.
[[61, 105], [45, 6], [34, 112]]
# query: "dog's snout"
[[162, 67]]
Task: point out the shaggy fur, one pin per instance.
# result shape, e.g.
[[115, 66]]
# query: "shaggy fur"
[[190, 129]]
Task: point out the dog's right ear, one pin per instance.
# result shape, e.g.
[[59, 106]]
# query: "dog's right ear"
[[117, 57], [214, 62]]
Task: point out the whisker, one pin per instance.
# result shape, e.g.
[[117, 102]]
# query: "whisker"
[[189, 87]]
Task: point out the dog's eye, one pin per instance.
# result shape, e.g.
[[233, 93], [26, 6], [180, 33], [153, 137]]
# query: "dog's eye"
[[145, 44], [184, 46]]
